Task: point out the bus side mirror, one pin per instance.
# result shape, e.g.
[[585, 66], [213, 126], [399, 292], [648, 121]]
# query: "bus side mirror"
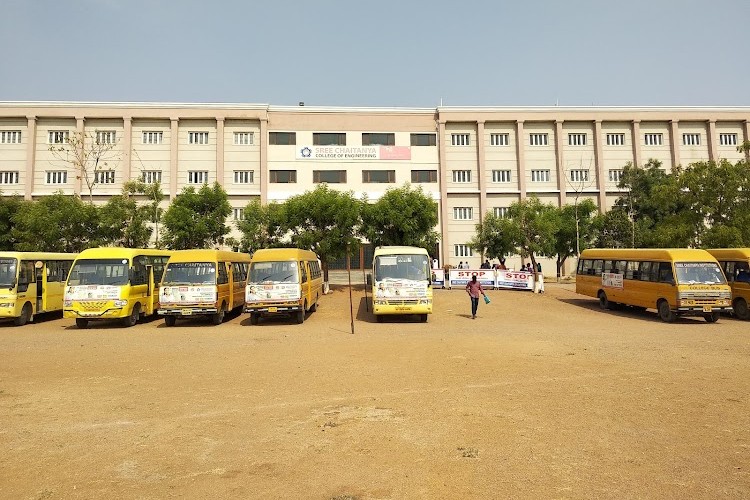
[[368, 279]]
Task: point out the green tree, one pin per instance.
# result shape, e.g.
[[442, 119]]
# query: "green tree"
[[325, 221], [123, 222], [262, 226], [56, 223], [197, 219], [576, 230], [9, 205], [402, 216], [495, 237]]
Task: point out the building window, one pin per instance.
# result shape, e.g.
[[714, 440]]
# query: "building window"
[[540, 176], [423, 176], [653, 139], [9, 177], [462, 176], [238, 213], [691, 139], [375, 176], [423, 140], [579, 175], [576, 139], [151, 176], [153, 137], [459, 139], [283, 176], [282, 138], [501, 212], [462, 251], [538, 139], [14, 137], [58, 136], [463, 213], [615, 139], [105, 177], [106, 137], [329, 139], [384, 139], [499, 140], [243, 138], [501, 176], [198, 137], [724, 139], [615, 175], [197, 176], [243, 176], [329, 176], [57, 177]]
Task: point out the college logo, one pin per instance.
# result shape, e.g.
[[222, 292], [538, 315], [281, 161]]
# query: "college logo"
[[306, 152]]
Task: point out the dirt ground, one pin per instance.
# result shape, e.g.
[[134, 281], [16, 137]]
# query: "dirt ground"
[[542, 396]]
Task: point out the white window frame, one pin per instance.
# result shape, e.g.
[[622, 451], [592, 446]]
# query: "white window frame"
[[106, 136], [153, 137], [691, 139], [244, 176], [197, 137], [501, 212], [538, 139], [104, 177], [615, 175], [502, 176], [499, 140], [540, 175], [198, 177], [463, 213], [56, 177], [616, 139], [727, 139], [243, 138], [462, 176], [579, 175], [151, 176], [10, 137], [653, 139], [577, 139], [238, 213], [462, 251], [8, 177], [460, 139], [58, 136]]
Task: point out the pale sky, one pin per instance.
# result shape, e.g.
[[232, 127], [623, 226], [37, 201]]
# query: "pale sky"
[[386, 53]]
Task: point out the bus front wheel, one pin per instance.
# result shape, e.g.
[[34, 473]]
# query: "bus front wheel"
[[82, 323], [254, 318], [25, 316], [132, 319], [170, 320], [740, 309], [665, 313], [423, 318], [711, 317], [300, 316], [218, 318], [379, 318]]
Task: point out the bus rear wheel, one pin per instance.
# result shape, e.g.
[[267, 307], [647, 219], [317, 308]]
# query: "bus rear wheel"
[[25, 316], [665, 313], [170, 320], [82, 323], [740, 309], [711, 317], [603, 301]]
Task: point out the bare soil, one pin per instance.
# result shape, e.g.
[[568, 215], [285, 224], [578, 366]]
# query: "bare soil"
[[542, 396]]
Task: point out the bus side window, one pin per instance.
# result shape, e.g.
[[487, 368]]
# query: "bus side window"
[[139, 271], [728, 268], [632, 272], [598, 266], [303, 270], [26, 275], [665, 272], [222, 276]]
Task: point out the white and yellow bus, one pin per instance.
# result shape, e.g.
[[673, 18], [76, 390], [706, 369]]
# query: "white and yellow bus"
[[401, 282], [203, 283], [283, 281], [673, 281], [736, 265], [110, 283], [32, 283]]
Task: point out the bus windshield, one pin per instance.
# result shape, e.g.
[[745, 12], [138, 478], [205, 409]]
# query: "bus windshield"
[[190, 273], [276, 272], [7, 273], [99, 272], [691, 273], [409, 267]]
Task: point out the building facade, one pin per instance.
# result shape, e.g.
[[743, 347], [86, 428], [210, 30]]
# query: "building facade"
[[470, 160]]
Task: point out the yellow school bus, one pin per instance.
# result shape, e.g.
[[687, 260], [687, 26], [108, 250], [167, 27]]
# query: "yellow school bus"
[[202, 283], [283, 281], [673, 281], [32, 283], [109, 283], [736, 265], [401, 282]]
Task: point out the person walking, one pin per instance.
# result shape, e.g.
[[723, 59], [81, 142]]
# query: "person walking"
[[474, 289]]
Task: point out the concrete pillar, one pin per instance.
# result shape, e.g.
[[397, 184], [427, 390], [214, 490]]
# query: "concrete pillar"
[[481, 174], [674, 137], [220, 150], [713, 141], [263, 166], [30, 156], [637, 143], [521, 159], [442, 179], [81, 132], [746, 130], [173, 156], [599, 165], [560, 161], [127, 148]]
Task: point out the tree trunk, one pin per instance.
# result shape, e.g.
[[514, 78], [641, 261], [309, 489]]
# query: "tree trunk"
[[324, 265]]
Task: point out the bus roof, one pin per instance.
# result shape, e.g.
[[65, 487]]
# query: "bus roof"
[[662, 254], [38, 255], [208, 256], [730, 253], [274, 254], [399, 250], [120, 253]]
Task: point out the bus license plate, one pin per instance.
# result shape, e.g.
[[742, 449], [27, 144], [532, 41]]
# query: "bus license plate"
[[273, 309], [187, 312], [707, 309]]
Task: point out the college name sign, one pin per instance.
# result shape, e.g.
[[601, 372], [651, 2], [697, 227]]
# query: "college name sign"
[[354, 153]]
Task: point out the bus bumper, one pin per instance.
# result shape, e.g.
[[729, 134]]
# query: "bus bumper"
[[187, 311]]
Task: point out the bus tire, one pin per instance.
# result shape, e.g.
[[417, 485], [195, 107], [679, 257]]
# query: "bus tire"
[[379, 318], [82, 323], [423, 318], [711, 317], [603, 300], [665, 313], [740, 309], [300, 316], [218, 318], [314, 306], [25, 316], [170, 320], [254, 317], [134, 316]]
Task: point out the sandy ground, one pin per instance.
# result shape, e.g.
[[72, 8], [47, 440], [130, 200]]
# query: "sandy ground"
[[542, 396]]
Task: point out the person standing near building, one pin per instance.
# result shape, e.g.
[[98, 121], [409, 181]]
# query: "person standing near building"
[[474, 289], [540, 277]]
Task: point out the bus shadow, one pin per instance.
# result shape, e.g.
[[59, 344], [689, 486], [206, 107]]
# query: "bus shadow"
[[273, 319], [365, 314], [649, 315], [200, 321]]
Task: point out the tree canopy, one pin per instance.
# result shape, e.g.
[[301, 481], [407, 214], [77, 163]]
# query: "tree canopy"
[[197, 219], [402, 216]]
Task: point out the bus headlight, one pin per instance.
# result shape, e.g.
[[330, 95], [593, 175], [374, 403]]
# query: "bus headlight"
[[121, 303]]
